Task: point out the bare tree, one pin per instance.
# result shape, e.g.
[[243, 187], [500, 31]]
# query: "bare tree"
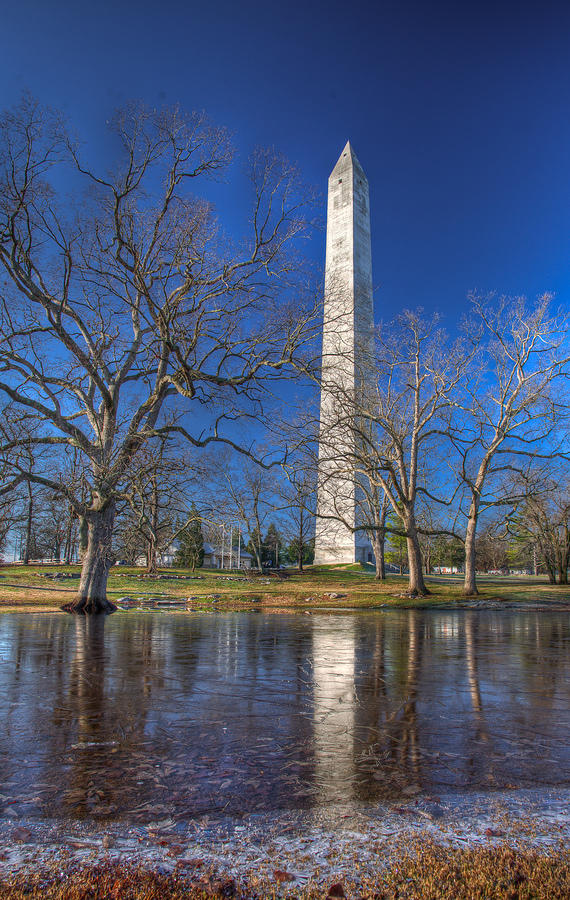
[[396, 421], [8, 510], [52, 525], [246, 495], [296, 497], [510, 413], [114, 307], [491, 549], [541, 518], [429, 530], [373, 508], [157, 501]]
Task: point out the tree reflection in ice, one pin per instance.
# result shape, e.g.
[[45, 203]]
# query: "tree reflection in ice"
[[142, 716]]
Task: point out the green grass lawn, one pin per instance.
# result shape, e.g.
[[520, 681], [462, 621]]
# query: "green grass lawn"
[[25, 587]]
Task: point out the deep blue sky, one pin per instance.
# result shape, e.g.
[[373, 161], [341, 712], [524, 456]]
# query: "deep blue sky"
[[458, 111]]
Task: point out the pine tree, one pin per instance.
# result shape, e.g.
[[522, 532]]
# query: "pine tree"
[[397, 552], [301, 552], [191, 551], [271, 546]]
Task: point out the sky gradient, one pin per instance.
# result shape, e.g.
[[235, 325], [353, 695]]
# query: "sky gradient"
[[458, 112]]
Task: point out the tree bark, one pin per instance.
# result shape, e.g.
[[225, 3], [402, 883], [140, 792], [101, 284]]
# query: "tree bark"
[[91, 596], [378, 542], [151, 566], [470, 583], [416, 585]]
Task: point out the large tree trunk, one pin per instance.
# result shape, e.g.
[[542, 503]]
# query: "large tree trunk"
[[378, 542], [151, 566], [470, 584], [92, 594], [416, 586]]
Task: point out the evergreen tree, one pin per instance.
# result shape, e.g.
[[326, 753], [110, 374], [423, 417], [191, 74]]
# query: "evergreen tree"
[[397, 552], [191, 551], [448, 552], [271, 546], [301, 552]]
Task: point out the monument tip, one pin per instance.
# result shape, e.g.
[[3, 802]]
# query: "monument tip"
[[347, 158]]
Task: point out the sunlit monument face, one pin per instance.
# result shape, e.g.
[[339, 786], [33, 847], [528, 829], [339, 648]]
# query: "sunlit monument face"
[[347, 345]]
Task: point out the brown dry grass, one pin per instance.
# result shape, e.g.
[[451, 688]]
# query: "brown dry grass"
[[24, 589], [434, 873]]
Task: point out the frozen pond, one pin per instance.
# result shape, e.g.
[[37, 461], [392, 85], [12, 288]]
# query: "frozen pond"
[[147, 716]]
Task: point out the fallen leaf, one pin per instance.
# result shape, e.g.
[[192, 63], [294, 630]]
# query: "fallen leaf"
[[280, 875]]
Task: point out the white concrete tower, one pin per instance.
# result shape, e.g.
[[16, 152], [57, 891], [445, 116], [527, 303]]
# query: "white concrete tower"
[[347, 351]]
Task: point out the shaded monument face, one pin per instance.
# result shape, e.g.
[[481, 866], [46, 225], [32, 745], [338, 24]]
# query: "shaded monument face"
[[347, 346]]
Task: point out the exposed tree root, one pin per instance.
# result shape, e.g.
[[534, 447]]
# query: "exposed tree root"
[[91, 607]]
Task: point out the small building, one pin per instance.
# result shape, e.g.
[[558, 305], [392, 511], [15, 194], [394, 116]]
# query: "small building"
[[216, 558], [165, 559]]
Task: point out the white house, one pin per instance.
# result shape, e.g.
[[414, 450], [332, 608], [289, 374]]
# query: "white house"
[[214, 558]]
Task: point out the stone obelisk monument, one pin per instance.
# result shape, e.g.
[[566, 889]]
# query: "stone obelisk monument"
[[348, 324]]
